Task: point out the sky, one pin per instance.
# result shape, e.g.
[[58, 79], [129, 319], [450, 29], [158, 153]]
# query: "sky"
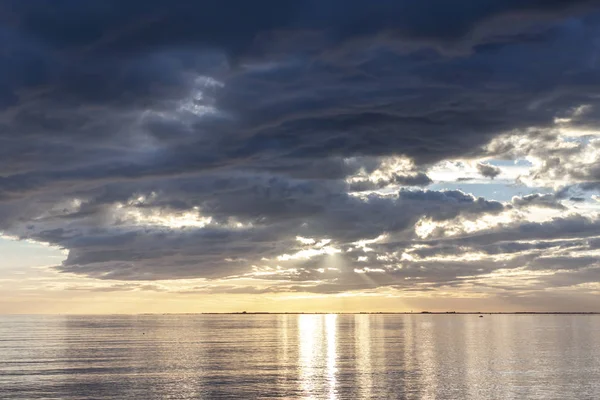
[[318, 155]]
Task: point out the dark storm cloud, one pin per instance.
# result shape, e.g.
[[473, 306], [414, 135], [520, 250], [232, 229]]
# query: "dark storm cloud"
[[307, 104], [253, 115], [233, 24]]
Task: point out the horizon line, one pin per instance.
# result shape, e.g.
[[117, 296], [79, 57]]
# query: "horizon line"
[[328, 313]]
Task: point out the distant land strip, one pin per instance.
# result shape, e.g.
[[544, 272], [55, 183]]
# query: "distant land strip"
[[392, 313]]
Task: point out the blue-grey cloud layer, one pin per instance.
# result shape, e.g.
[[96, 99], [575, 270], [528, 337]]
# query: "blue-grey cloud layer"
[[255, 113]]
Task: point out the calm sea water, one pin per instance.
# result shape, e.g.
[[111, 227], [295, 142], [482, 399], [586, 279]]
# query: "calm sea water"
[[300, 356]]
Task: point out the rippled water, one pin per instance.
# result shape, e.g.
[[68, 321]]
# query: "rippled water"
[[300, 356]]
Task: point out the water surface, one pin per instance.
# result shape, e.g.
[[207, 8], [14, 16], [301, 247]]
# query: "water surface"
[[300, 356]]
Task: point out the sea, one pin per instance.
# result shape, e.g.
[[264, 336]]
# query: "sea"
[[300, 356]]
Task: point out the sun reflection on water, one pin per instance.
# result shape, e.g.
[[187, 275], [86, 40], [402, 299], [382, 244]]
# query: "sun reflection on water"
[[331, 331], [318, 354], [363, 349]]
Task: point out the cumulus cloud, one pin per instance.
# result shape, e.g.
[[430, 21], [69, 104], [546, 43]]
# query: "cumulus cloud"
[[155, 140], [420, 179], [538, 200], [488, 170], [561, 158]]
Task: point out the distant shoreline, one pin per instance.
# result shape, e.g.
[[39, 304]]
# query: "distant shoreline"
[[391, 313], [338, 313]]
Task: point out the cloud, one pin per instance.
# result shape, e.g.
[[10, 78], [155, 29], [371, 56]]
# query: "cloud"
[[125, 287], [420, 179], [538, 200], [561, 157], [267, 229], [157, 141], [488, 171], [113, 27]]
